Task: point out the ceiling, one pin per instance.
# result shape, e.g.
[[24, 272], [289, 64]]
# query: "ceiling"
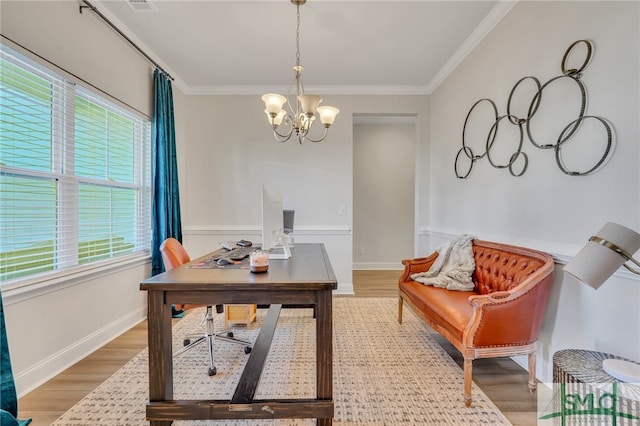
[[354, 47]]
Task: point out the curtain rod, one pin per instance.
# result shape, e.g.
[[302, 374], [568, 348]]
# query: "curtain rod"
[[15, 44], [123, 35]]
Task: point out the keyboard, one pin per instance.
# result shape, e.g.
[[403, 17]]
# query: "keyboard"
[[230, 245], [238, 253]]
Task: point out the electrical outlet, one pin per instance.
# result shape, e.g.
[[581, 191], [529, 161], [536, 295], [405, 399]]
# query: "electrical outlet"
[[360, 250], [342, 210]]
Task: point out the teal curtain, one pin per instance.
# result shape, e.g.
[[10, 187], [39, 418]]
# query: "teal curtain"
[[8, 396], [166, 197]]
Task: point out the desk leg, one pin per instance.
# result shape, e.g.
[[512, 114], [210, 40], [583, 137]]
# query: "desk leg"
[[160, 351], [324, 349]]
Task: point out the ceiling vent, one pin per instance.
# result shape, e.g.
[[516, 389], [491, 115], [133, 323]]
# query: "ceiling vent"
[[141, 6]]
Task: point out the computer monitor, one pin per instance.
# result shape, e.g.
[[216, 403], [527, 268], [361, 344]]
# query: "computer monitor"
[[288, 216], [273, 224]]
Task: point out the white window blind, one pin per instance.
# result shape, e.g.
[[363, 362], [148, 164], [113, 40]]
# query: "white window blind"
[[74, 174]]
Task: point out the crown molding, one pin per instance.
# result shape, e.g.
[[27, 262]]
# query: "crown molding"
[[496, 14], [320, 90]]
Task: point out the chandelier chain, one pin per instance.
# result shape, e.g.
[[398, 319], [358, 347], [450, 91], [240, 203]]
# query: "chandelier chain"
[[298, 36]]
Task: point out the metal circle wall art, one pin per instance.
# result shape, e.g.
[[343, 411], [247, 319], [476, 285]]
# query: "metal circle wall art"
[[518, 161]]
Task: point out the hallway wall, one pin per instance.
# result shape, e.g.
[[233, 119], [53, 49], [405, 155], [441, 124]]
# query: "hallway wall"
[[383, 191]]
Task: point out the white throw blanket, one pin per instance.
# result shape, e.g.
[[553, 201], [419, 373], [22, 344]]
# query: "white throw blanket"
[[453, 268]]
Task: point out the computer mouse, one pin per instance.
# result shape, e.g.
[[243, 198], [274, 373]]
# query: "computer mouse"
[[224, 262]]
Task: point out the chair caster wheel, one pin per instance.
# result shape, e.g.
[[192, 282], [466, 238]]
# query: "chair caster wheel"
[[186, 342], [212, 371], [230, 334], [247, 349]]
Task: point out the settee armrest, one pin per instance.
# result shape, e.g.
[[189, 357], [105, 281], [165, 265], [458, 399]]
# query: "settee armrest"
[[512, 317], [414, 266]]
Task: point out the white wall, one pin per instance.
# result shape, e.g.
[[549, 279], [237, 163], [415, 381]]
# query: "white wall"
[[383, 191], [545, 208], [230, 153], [51, 327]]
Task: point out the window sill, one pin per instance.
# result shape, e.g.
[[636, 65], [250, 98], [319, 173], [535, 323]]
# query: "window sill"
[[23, 289]]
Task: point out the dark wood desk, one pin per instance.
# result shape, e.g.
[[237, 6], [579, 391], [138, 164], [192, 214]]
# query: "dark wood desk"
[[305, 279]]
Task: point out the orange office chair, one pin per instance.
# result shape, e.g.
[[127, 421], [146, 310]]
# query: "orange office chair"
[[174, 255]]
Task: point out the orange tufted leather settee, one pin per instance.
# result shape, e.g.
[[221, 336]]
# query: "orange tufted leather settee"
[[502, 316]]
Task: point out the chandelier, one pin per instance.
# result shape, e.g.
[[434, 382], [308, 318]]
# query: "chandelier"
[[300, 116]]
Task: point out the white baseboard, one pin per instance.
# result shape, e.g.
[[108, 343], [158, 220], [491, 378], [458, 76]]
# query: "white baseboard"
[[344, 289], [29, 379], [378, 266]]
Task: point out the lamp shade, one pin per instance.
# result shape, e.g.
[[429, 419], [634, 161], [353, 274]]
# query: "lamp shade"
[[273, 102], [305, 122], [599, 259], [327, 114], [277, 120], [309, 103]]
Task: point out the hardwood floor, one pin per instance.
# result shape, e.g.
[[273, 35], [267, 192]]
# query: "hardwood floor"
[[504, 381]]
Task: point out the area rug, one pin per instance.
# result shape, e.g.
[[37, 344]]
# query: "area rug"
[[384, 373]]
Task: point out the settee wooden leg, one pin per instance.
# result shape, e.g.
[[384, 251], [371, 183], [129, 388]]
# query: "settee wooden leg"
[[532, 372], [399, 310], [467, 381]]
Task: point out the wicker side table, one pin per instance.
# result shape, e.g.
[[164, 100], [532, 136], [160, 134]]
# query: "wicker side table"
[[581, 366], [580, 373]]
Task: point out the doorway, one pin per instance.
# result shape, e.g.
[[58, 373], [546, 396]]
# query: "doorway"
[[383, 190]]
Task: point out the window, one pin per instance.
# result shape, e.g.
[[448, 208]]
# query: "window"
[[74, 174]]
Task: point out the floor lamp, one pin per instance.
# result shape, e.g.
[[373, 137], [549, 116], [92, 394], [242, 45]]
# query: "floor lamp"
[[610, 248]]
